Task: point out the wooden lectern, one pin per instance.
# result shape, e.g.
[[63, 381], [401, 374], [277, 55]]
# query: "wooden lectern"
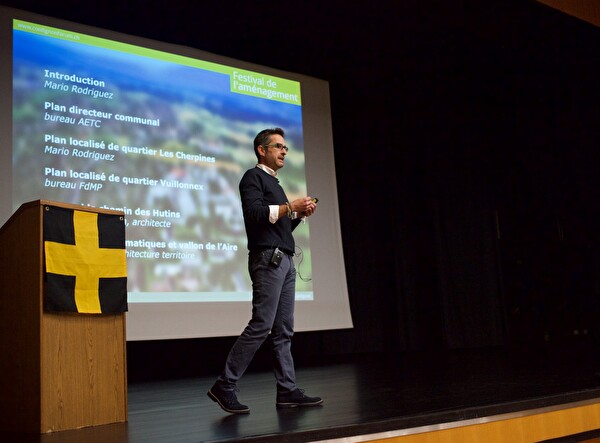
[[58, 371]]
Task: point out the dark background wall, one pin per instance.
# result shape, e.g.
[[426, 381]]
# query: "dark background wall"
[[465, 141]]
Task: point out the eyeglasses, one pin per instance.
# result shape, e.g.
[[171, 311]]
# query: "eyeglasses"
[[278, 146]]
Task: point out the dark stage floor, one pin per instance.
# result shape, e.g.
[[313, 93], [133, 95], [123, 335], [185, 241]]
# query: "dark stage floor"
[[365, 396]]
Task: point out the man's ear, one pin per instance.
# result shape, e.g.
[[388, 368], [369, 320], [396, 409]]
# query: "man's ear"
[[261, 150]]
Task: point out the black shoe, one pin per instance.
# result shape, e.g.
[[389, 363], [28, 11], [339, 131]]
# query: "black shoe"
[[227, 400], [296, 398]]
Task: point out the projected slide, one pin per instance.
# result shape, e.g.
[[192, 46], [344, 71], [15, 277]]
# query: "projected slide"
[[162, 137]]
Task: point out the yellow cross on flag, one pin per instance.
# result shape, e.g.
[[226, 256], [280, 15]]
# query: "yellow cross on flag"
[[86, 268]]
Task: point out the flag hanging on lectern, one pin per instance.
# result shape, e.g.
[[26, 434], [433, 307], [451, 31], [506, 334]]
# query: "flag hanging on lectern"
[[85, 261]]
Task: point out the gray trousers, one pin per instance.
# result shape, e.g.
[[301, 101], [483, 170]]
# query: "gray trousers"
[[273, 294]]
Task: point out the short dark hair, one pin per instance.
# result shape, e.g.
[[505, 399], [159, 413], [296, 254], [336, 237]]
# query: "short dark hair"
[[264, 137]]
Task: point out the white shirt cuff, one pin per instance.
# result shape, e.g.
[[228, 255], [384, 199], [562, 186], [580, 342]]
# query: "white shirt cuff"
[[273, 213]]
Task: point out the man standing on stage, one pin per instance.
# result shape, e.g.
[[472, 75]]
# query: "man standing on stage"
[[269, 220]]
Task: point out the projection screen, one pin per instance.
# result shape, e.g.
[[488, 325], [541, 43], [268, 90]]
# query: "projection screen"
[[164, 133]]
